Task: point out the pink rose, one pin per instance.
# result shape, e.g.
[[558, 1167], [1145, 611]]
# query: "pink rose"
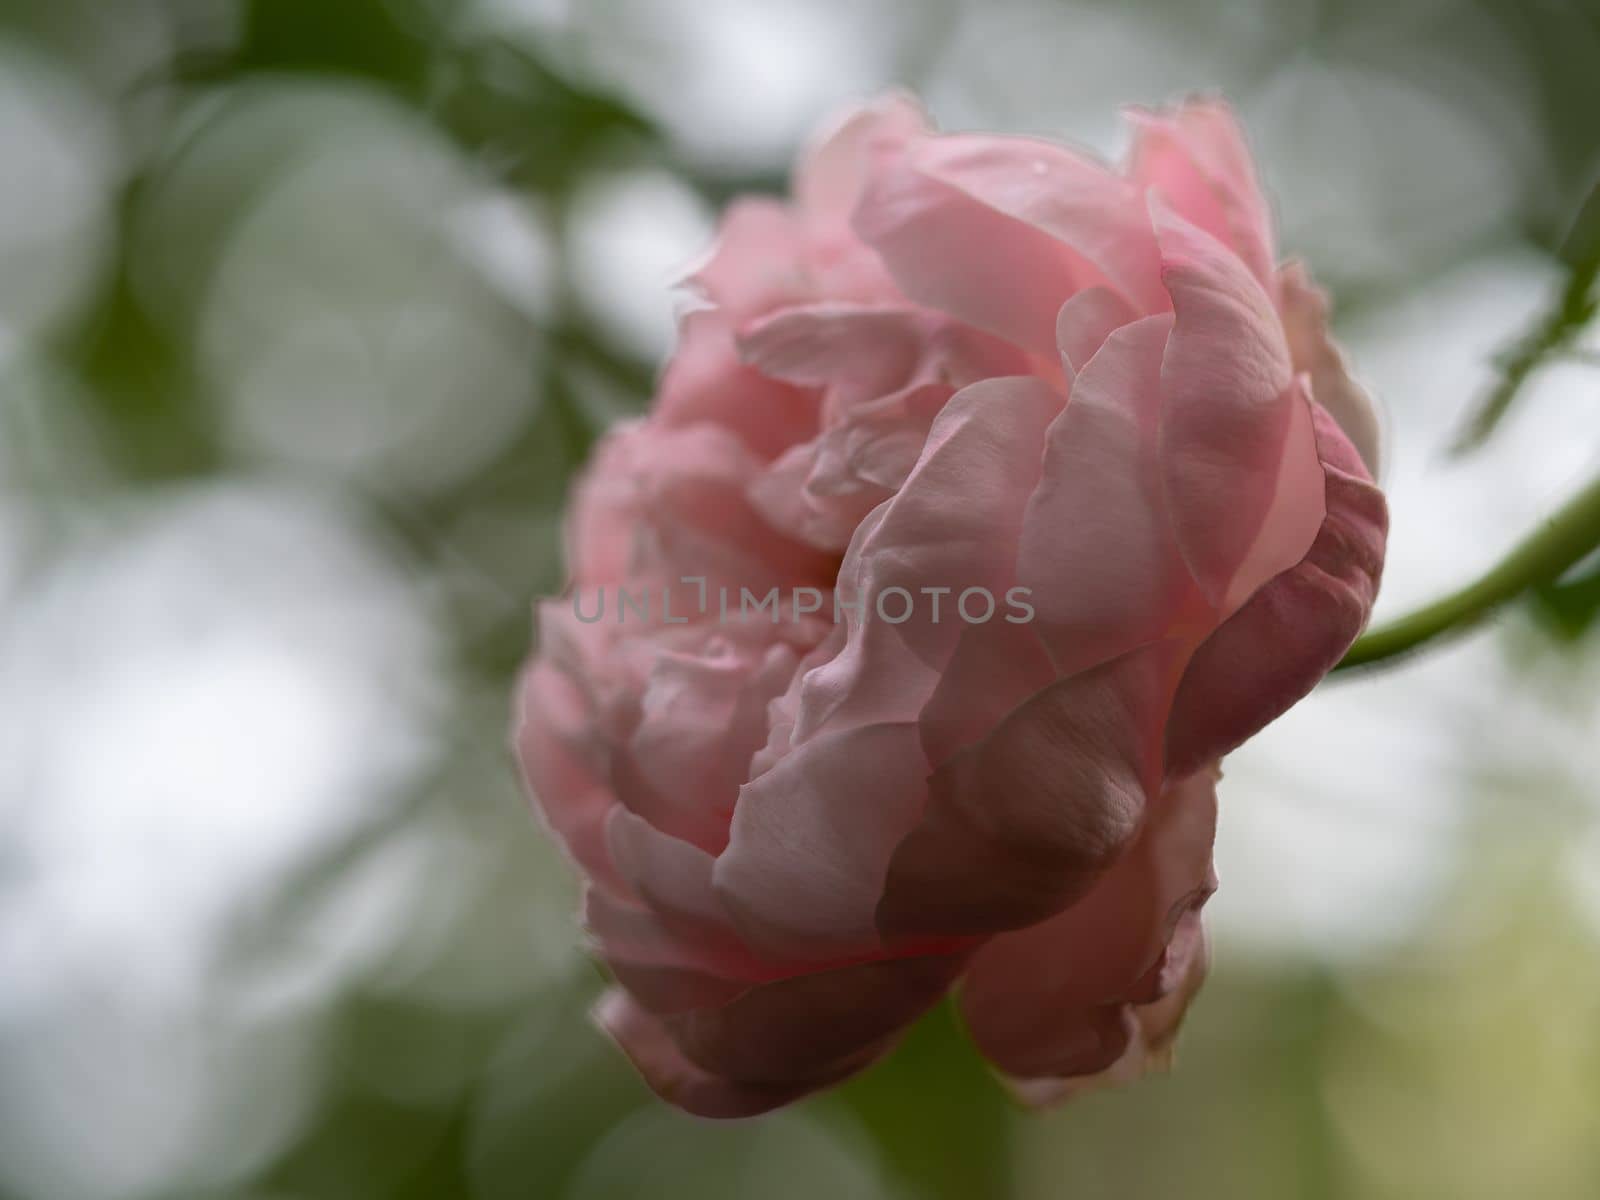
[[1092, 492]]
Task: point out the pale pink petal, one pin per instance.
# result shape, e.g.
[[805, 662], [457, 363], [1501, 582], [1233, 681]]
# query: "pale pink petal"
[[1290, 634], [1046, 1001], [658, 504], [552, 725], [1084, 323], [757, 263], [1197, 157], [1305, 320], [834, 166], [1022, 824], [1000, 232]]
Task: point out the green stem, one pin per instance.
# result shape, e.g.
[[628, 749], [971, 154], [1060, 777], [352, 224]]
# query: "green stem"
[[1564, 539]]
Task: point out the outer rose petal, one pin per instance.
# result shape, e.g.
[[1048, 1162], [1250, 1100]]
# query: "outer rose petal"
[[643, 1037], [1049, 1000], [1197, 158], [755, 265], [1234, 467], [1150, 1030], [1305, 320], [552, 721], [809, 1026], [776, 1042], [1291, 633], [1023, 823]]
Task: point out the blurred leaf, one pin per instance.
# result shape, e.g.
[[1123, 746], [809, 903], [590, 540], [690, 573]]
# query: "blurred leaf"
[[532, 125], [355, 37], [1552, 333], [1568, 610], [940, 1118]]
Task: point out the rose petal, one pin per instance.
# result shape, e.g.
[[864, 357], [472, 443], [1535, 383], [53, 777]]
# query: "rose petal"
[[1305, 321], [643, 1037], [954, 525], [552, 720], [1231, 462], [1197, 157], [1023, 823], [999, 232], [811, 841], [1046, 1000], [817, 1025], [1290, 634], [1097, 547], [834, 166]]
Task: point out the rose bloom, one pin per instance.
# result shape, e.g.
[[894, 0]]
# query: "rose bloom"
[[950, 361]]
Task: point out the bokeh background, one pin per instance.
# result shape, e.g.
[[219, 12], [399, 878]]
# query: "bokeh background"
[[308, 311]]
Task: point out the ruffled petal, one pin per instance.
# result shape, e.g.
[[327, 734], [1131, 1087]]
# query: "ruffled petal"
[[1022, 824], [756, 264], [658, 504], [1000, 232], [1049, 1000], [953, 525], [1291, 633], [702, 716]]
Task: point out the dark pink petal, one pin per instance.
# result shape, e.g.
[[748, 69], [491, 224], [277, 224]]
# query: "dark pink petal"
[[1290, 634], [1149, 1031], [1048, 1001], [1022, 824], [643, 1037], [814, 1026]]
